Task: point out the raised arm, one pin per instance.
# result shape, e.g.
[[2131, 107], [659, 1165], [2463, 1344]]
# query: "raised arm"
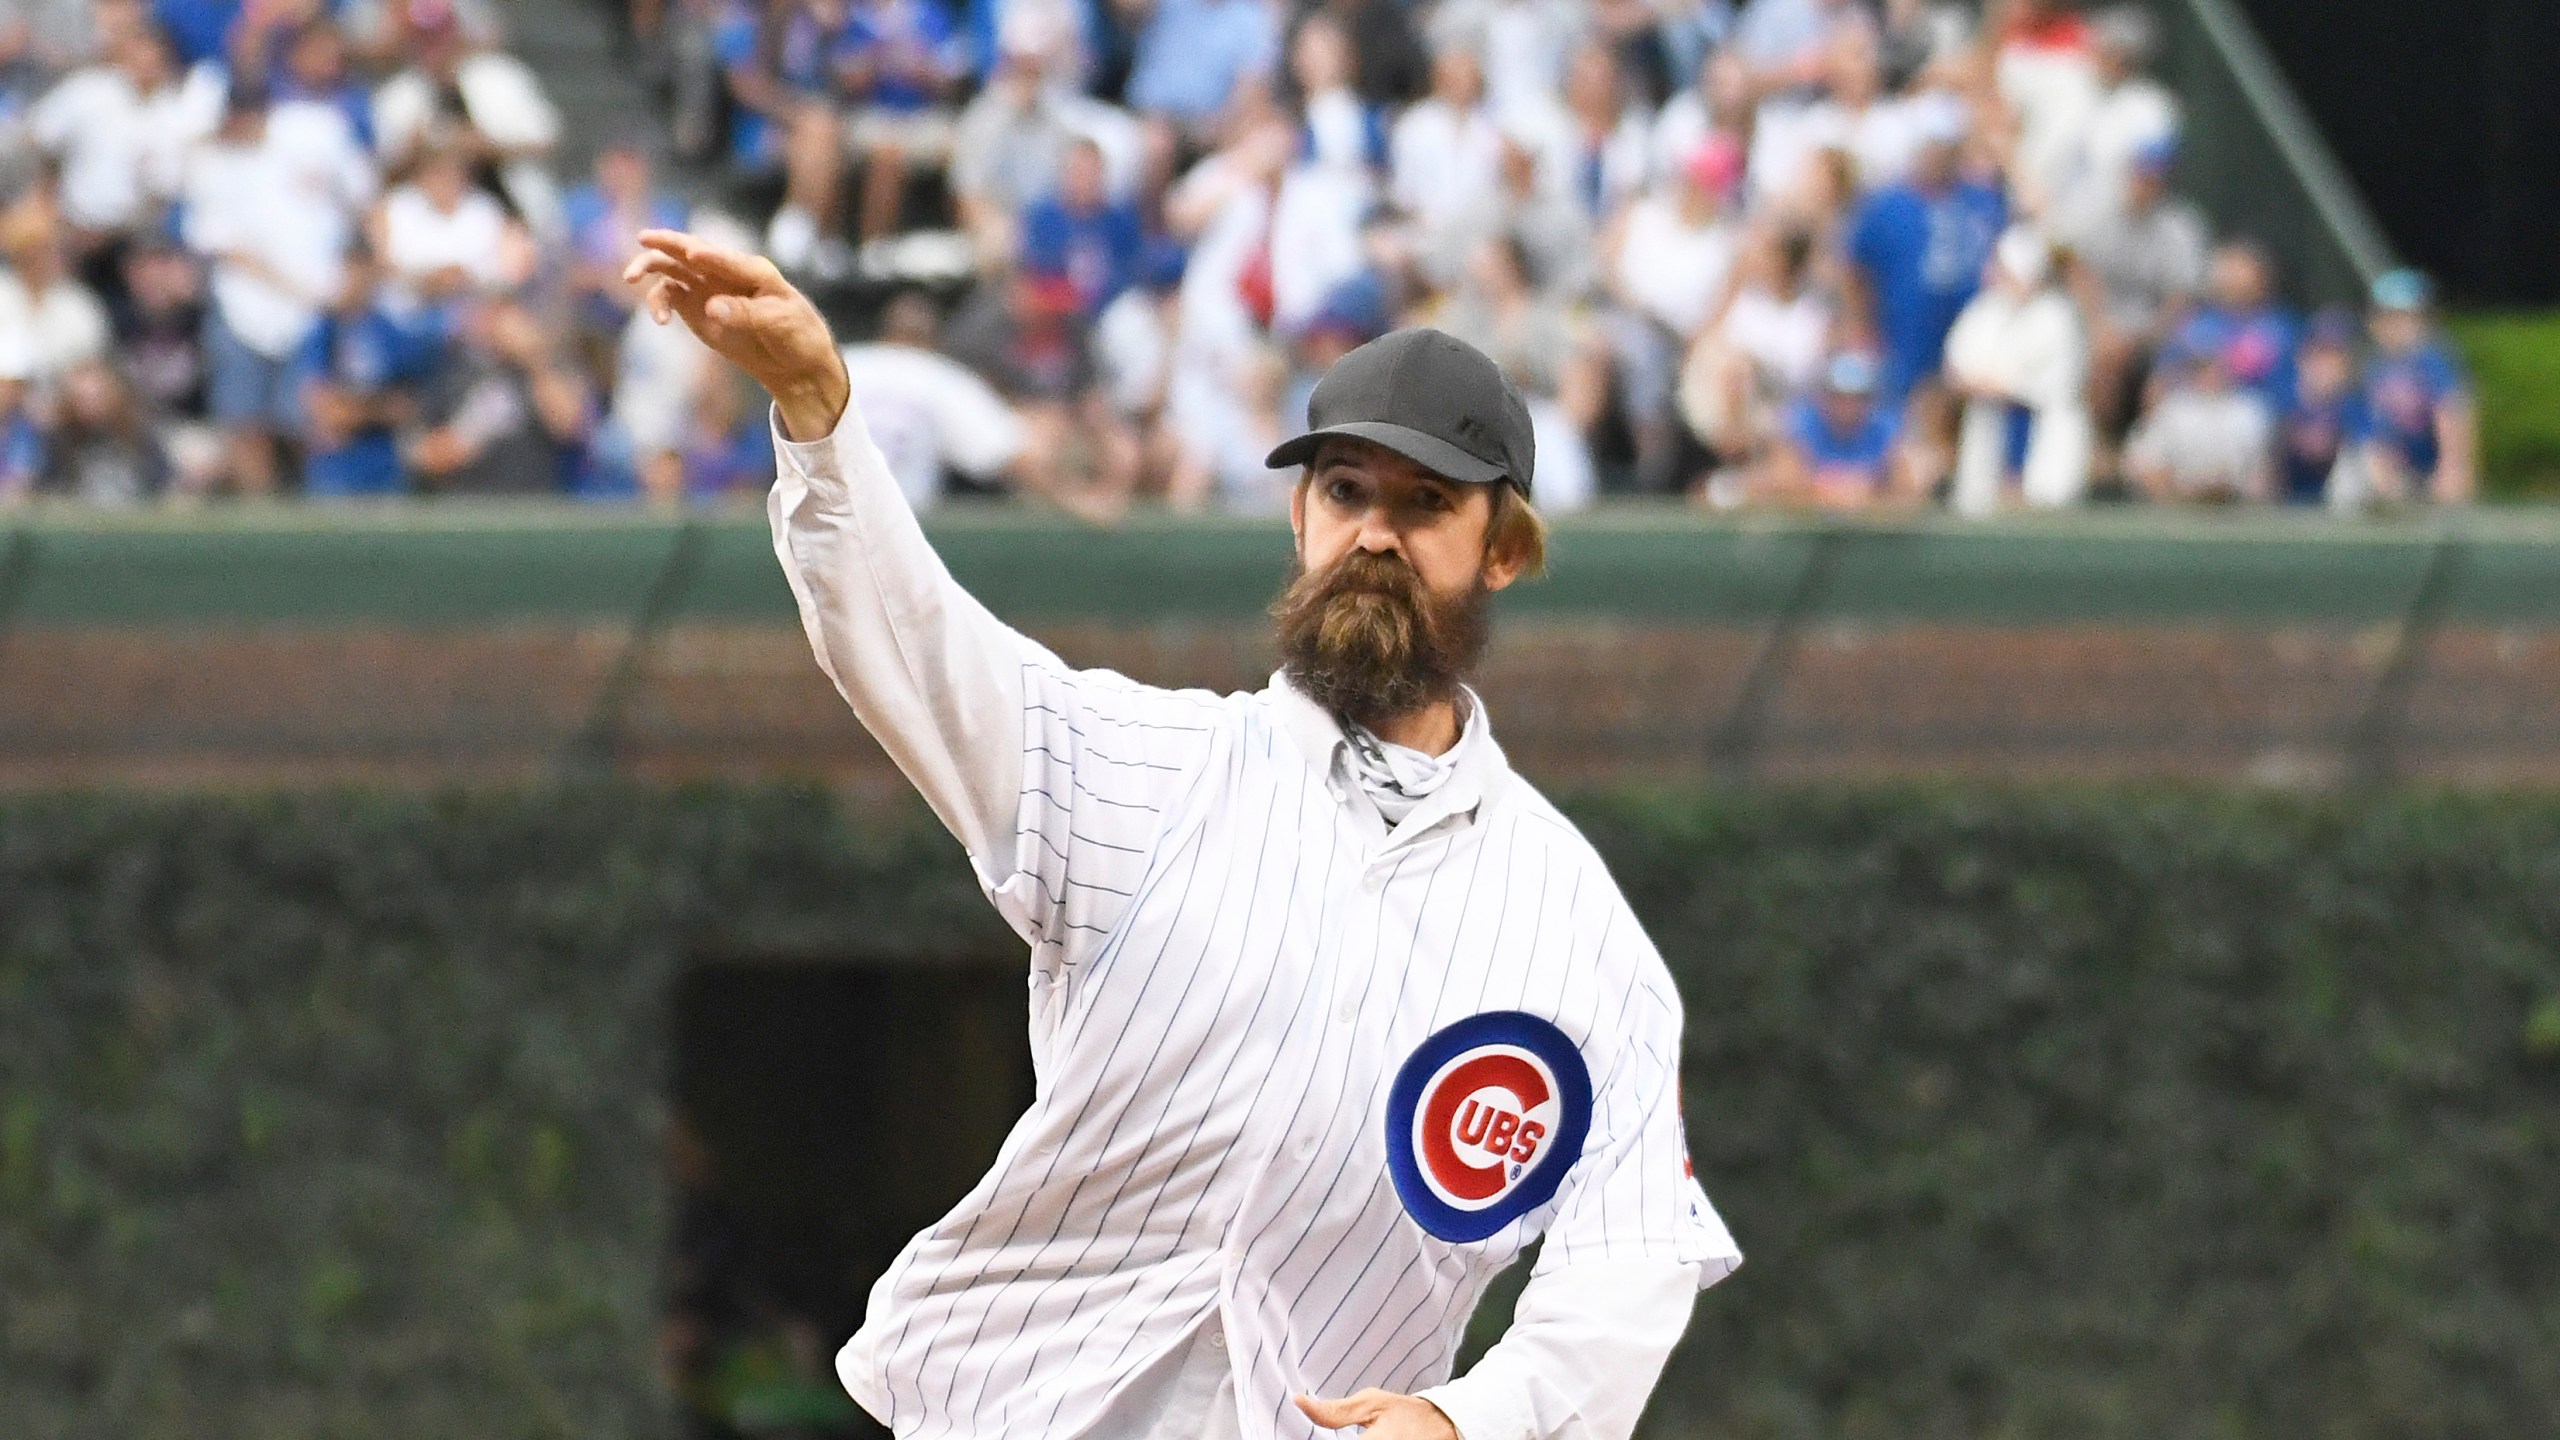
[[930, 672]]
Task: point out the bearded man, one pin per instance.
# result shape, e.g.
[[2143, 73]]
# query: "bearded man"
[[1332, 1014]]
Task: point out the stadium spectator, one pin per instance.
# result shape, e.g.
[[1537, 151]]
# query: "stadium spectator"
[[315, 70], [2017, 356], [458, 90], [2421, 433], [1560, 370], [1784, 41], [506, 415], [1598, 146], [159, 328], [358, 379], [1445, 153], [604, 219], [2045, 68], [1918, 249], [272, 244], [1194, 56], [2209, 441], [2241, 324], [1762, 349], [1524, 44], [47, 317], [1849, 113], [120, 130], [898, 63], [2319, 431], [1389, 64], [1082, 238], [103, 450], [442, 239], [1011, 140], [1719, 101], [932, 417], [2130, 118], [2141, 260], [1836, 449], [1543, 217], [727, 448], [1667, 261]]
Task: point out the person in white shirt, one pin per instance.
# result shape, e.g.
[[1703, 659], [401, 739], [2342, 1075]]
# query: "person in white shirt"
[[1763, 348], [1333, 1014], [1880, 133], [2207, 441], [2020, 345], [1446, 149], [1667, 262], [456, 89], [48, 320], [1523, 43], [929, 413], [2131, 116], [120, 131], [442, 238], [276, 234]]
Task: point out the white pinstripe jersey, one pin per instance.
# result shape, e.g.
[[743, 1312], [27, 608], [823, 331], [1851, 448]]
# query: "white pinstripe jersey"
[[1268, 1103], [1227, 975]]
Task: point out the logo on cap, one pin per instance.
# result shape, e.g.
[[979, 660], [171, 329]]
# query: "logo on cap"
[[1483, 1121]]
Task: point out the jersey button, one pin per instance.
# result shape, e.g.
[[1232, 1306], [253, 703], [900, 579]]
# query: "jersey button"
[[1306, 1146], [1218, 1337], [1348, 1011]]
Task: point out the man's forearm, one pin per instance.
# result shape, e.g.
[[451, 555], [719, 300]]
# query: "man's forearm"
[[1586, 1344]]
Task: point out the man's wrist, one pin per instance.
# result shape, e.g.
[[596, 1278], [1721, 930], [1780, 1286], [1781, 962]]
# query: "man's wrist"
[[812, 406]]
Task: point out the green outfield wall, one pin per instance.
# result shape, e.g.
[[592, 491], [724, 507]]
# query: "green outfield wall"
[[498, 564], [2053, 1115]]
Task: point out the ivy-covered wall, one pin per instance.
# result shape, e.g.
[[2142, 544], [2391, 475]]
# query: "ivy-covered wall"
[[2040, 1114]]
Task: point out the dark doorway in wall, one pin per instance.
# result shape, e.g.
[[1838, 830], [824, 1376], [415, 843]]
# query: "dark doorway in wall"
[[824, 1113]]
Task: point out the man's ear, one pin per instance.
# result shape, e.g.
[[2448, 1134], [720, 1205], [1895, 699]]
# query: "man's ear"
[[1298, 515]]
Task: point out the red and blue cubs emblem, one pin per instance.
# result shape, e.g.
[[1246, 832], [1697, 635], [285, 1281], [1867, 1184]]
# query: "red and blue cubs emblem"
[[1484, 1120]]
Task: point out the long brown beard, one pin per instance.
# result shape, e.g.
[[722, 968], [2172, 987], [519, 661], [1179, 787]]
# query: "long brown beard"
[[1368, 641]]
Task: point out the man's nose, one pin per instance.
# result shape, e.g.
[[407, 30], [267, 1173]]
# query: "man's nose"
[[1377, 533]]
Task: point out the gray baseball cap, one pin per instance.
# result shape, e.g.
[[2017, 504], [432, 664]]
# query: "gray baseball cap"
[[1430, 397]]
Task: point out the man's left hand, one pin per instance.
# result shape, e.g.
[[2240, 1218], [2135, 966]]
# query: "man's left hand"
[[1382, 1414]]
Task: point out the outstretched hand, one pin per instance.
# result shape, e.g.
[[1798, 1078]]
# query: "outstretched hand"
[[741, 307], [1382, 1414]]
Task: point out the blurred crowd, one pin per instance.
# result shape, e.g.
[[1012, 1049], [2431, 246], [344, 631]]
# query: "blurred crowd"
[[1802, 253]]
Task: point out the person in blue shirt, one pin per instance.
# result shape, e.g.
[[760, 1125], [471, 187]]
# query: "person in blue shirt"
[[1838, 448], [900, 63], [2242, 325], [2421, 429], [2327, 415], [1918, 251], [604, 219], [777, 61], [200, 29], [1192, 54], [357, 377], [1081, 235]]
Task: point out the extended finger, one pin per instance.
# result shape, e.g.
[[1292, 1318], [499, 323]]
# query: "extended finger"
[[715, 262], [664, 296], [658, 262]]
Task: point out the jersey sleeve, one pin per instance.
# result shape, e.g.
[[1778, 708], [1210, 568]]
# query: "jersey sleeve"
[[1056, 781], [1633, 1194]]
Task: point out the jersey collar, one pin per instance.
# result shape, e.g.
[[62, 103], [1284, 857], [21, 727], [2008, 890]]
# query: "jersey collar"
[[1481, 767]]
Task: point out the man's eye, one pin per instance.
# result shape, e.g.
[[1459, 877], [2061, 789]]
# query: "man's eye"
[[1344, 491]]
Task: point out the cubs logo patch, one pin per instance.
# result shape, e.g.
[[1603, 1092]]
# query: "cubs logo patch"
[[1483, 1121]]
